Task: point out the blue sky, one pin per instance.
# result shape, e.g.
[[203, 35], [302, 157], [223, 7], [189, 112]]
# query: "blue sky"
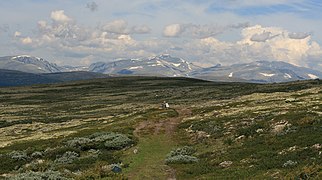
[[79, 32]]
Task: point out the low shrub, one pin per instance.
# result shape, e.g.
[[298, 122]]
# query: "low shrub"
[[67, 158], [109, 140], [36, 155], [181, 156], [50, 175], [117, 141], [53, 153], [186, 150], [79, 143], [181, 159], [18, 155], [37, 165]]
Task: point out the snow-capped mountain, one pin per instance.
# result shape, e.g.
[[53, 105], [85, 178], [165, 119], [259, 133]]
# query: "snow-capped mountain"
[[166, 65], [28, 64], [260, 71], [163, 65]]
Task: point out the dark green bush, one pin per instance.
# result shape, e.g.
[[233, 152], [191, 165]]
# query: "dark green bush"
[[181, 156]]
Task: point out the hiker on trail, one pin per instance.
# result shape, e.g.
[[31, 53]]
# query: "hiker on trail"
[[165, 105]]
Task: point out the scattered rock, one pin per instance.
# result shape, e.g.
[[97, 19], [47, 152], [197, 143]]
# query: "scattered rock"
[[226, 164], [279, 127], [135, 151], [289, 163], [240, 137], [290, 100], [290, 149], [317, 146], [202, 135]]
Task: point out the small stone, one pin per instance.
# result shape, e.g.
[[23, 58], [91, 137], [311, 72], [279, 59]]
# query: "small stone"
[[226, 164], [135, 151], [317, 146]]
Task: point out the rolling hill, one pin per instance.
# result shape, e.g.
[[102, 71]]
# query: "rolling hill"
[[114, 128], [18, 78]]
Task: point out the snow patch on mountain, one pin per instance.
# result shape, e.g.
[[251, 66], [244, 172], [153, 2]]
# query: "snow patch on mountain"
[[267, 75], [287, 76], [136, 67], [312, 76], [176, 65]]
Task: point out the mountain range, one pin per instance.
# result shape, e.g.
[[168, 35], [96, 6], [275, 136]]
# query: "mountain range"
[[35, 70]]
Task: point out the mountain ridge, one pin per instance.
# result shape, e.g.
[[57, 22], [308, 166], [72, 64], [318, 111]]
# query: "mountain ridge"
[[166, 65]]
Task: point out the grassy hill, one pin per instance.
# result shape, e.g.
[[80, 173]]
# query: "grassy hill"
[[88, 129], [18, 78]]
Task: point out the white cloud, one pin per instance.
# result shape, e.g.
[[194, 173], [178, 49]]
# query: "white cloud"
[[17, 34], [140, 29], [300, 35], [199, 31], [121, 26], [26, 40], [59, 16], [200, 43], [173, 30], [262, 37], [117, 26], [92, 6], [271, 44]]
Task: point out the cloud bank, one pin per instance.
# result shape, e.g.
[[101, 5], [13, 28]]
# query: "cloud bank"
[[199, 43]]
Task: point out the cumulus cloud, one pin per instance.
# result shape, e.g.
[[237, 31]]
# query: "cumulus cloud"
[[17, 34], [260, 43], [92, 6], [140, 29], [59, 16], [300, 35], [198, 31], [117, 26], [26, 40], [121, 26], [262, 37], [117, 39], [173, 30]]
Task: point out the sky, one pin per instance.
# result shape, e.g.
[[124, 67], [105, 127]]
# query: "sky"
[[205, 32]]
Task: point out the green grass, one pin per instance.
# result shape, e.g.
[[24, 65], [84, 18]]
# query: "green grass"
[[149, 162], [220, 114]]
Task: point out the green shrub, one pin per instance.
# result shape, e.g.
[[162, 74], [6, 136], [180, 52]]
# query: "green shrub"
[[181, 159], [36, 155], [38, 165], [186, 150], [79, 142], [67, 158], [117, 141], [50, 175], [181, 156], [53, 153], [109, 140], [18, 155]]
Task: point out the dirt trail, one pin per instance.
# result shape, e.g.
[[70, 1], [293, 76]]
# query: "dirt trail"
[[162, 127], [167, 126]]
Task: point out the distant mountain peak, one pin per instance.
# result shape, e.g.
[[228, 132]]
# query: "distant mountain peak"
[[160, 65], [29, 64]]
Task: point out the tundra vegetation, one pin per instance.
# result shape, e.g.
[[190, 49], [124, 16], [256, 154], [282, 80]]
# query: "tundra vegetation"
[[114, 128]]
